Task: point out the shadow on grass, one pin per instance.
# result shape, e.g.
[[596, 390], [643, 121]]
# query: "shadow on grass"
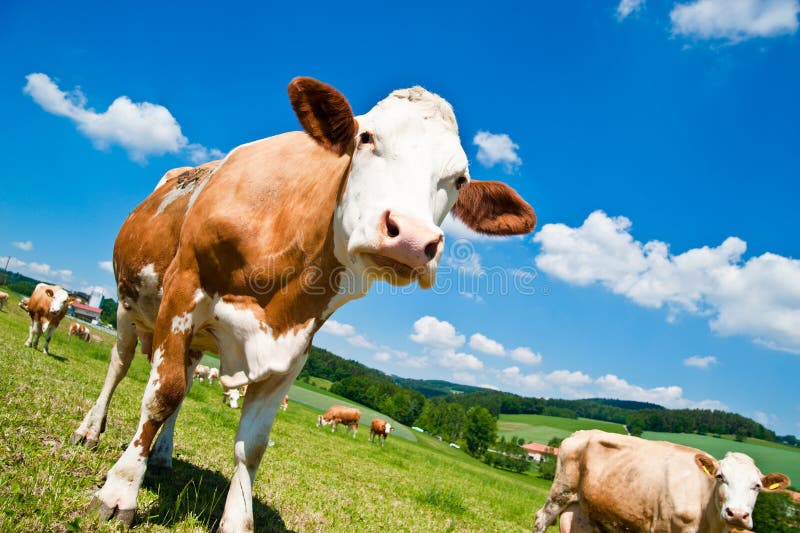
[[189, 491]]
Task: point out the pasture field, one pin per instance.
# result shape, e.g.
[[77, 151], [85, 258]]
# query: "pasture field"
[[540, 428], [310, 480], [769, 456]]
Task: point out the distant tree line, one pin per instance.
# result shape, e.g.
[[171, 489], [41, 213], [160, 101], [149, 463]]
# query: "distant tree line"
[[441, 407]]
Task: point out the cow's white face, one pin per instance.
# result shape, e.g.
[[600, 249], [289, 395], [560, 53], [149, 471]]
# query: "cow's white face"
[[407, 168], [738, 482], [58, 301]]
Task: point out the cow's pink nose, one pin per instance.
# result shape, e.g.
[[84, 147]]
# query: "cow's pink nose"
[[736, 516], [408, 240]]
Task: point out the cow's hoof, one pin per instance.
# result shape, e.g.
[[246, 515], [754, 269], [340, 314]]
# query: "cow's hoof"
[[159, 462], [77, 439], [107, 512], [27, 344]]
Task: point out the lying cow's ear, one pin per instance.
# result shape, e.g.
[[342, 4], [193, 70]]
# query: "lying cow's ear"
[[706, 463], [324, 113], [494, 208], [775, 481]]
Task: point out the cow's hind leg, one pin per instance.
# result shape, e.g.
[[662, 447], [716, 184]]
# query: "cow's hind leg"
[[161, 455], [121, 356], [258, 414], [164, 393]]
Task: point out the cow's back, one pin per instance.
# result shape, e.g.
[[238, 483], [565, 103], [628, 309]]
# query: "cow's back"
[[39, 302], [627, 482], [148, 241]]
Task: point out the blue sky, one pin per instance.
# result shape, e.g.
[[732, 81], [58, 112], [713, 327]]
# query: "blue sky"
[[657, 141]]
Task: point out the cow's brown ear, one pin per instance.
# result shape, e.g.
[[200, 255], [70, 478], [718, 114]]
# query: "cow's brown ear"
[[49, 292], [494, 208], [324, 113], [706, 463], [775, 481]]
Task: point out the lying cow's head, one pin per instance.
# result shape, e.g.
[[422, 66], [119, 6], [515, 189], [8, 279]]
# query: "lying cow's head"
[[408, 170], [737, 484]]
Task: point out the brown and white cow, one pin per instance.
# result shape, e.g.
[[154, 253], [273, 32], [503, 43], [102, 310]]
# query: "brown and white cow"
[[249, 256], [285, 403], [347, 416], [201, 372], [615, 482], [23, 304], [3, 299], [381, 429], [80, 331], [231, 397], [46, 307]]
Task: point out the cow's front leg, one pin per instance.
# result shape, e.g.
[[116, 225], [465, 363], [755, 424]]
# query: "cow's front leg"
[[164, 393], [258, 413], [49, 329], [161, 455], [33, 334], [121, 356]]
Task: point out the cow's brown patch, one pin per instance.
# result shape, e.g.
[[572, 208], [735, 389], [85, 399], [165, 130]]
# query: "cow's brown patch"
[[191, 176]]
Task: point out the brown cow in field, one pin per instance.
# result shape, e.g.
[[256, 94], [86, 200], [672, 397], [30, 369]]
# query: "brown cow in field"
[[3, 299], [80, 331], [381, 429], [337, 414], [612, 482], [249, 256], [46, 307], [285, 403]]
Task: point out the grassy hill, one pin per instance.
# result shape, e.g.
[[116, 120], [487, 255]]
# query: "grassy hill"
[[311, 480], [540, 428]]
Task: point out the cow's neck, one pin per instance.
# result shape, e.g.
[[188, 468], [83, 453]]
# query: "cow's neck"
[[711, 517]]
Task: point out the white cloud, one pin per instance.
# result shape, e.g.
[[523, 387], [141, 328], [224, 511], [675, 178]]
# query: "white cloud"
[[700, 361], [382, 357], [766, 419], [626, 7], [338, 329], [359, 341], [142, 129], [486, 345], [435, 333], [469, 264], [107, 292], [453, 359], [42, 271], [25, 246], [199, 154], [735, 20], [496, 149], [106, 265], [759, 298], [464, 377], [525, 355]]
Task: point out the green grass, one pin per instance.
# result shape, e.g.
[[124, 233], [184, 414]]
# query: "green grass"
[[311, 480], [321, 383], [778, 458], [540, 428]]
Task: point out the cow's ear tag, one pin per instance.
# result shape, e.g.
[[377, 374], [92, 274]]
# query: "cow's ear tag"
[[774, 486]]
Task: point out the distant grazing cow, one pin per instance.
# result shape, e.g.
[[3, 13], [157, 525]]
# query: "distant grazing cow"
[[285, 403], [80, 331], [24, 303], [381, 429], [46, 307], [213, 374], [201, 372], [614, 482], [337, 414], [3, 299], [232, 396], [249, 256]]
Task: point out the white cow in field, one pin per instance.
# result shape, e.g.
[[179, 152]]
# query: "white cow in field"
[[3, 299], [232, 396], [609, 482]]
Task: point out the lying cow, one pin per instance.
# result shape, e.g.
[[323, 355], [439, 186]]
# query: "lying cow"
[[46, 307], [614, 482], [80, 331], [248, 257], [381, 429], [3, 299], [232, 396], [337, 414]]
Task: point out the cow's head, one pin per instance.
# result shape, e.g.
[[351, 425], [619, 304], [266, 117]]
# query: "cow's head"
[[59, 299], [389, 428], [322, 421], [737, 484], [407, 171]]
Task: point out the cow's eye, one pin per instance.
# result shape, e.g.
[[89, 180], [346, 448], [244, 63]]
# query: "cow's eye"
[[367, 138], [460, 182], [720, 477], [756, 487]]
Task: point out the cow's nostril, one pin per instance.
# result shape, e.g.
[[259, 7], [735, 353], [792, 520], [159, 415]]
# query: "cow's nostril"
[[431, 248], [745, 515], [728, 511], [392, 230]]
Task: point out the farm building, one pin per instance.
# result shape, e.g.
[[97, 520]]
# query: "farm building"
[[537, 451], [85, 312]]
